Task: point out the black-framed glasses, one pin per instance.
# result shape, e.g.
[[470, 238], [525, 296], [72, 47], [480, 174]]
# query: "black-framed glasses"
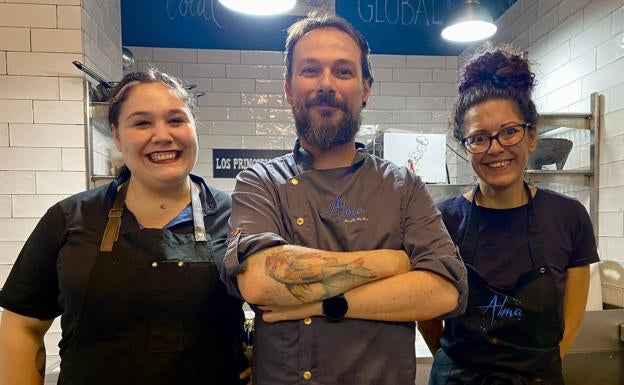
[[507, 137]]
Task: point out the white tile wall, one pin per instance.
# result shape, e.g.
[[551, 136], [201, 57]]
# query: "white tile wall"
[[56, 40], [46, 135], [4, 134], [579, 49], [33, 206], [29, 87], [14, 39], [27, 15]]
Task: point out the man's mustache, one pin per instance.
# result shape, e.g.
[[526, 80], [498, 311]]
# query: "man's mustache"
[[328, 100]]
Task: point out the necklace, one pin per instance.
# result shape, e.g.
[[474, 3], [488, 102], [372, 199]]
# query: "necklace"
[[163, 206]]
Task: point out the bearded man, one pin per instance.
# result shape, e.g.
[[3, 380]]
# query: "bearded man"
[[337, 251]]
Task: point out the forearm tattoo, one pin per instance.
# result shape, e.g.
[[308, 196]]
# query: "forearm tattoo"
[[299, 270], [40, 361]]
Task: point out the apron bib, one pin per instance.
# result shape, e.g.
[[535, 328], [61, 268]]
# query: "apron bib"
[[151, 309], [506, 337]]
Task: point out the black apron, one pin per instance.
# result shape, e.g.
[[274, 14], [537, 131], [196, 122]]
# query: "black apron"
[[152, 310], [506, 337]]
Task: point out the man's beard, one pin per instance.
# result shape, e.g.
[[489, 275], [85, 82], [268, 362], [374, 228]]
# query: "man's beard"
[[322, 132]]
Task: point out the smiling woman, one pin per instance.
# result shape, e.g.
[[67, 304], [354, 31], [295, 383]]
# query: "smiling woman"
[[130, 267]]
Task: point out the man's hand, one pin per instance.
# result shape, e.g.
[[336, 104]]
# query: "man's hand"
[[273, 314]]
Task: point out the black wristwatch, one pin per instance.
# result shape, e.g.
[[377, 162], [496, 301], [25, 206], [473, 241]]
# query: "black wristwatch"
[[335, 308]]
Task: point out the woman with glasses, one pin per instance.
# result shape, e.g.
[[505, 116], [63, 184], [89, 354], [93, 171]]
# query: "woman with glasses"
[[526, 250]]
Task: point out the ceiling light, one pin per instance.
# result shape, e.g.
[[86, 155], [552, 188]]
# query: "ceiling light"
[[259, 7], [471, 22]]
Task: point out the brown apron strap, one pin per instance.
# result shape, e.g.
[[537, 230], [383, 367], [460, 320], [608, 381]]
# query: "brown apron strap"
[[111, 232]]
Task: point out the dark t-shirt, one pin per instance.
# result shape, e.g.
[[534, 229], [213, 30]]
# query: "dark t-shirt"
[[565, 228], [51, 273]]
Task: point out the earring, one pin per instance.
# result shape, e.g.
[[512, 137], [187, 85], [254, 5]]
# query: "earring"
[[154, 140]]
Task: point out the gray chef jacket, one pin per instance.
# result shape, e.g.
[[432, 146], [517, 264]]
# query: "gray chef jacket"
[[372, 204]]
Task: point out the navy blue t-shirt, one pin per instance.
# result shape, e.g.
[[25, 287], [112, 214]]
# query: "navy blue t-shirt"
[[564, 224]]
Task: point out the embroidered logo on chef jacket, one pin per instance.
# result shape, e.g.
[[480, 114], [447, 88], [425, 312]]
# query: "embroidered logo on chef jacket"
[[500, 307], [341, 212]]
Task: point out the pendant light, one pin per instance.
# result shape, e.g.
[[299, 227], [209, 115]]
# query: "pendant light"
[[259, 7], [471, 22]]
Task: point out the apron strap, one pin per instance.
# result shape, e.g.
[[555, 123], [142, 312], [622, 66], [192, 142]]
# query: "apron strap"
[[198, 214], [111, 232]]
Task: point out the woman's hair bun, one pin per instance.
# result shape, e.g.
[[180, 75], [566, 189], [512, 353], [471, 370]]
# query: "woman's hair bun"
[[498, 68]]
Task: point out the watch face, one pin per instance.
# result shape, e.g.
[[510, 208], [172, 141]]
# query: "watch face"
[[335, 308]]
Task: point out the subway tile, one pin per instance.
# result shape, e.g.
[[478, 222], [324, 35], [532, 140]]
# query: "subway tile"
[[544, 6], [17, 182], [262, 100], [281, 115], [9, 252], [538, 49], [203, 169], [234, 85], [33, 206], [27, 15], [388, 61], [142, 54], [16, 111], [203, 70], [23, 158], [526, 5], [510, 15], [411, 75], [73, 159], [60, 182], [451, 62], [220, 141], [62, 112], [4, 134], [615, 253], [68, 17], [16, 229], [438, 89], [574, 70], [614, 174], [46, 135], [422, 61], [617, 21], [55, 2], [611, 224], [386, 102], [614, 98], [610, 199], [203, 127], [376, 116], [566, 31], [591, 37], [245, 113], [175, 55], [205, 155], [611, 50], [275, 128], [525, 20], [270, 86], [277, 72], [440, 116], [212, 113], [425, 103], [234, 128], [29, 87], [445, 76], [56, 40], [262, 57], [554, 59], [597, 10], [263, 142], [408, 116], [602, 79], [612, 124], [71, 88], [241, 71], [220, 99], [399, 89], [611, 149], [223, 184], [44, 64], [563, 96], [218, 56], [568, 8], [5, 206], [382, 74], [521, 41], [203, 84], [14, 39], [543, 25], [2, 63]]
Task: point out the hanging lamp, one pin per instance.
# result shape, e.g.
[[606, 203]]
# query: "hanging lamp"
[[471, 22]]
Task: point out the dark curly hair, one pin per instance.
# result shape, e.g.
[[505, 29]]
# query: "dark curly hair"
[[119, 94], [494, 74]]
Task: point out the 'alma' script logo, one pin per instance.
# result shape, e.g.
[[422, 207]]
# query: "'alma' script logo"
[[500, 307], [340, 210]]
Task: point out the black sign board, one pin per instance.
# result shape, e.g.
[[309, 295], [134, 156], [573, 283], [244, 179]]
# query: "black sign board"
[[227, 163]]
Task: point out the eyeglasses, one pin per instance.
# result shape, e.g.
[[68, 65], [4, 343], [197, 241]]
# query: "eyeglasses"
[[507, 137]]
